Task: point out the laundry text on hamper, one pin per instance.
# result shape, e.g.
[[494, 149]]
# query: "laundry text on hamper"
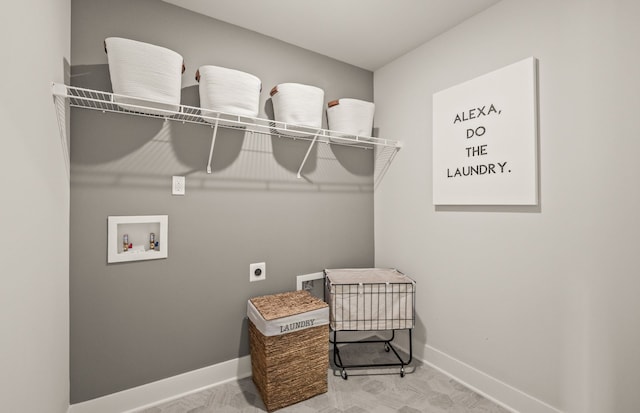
[[297, 325]]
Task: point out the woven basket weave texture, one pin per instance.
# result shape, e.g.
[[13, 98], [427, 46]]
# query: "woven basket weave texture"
[[290, 367]]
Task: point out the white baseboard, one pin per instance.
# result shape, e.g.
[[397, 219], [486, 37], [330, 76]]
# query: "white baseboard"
[[147, 395], [491, 388], [137, 398]]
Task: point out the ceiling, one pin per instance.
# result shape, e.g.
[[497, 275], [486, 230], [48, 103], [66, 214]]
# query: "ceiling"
[[364, 33]]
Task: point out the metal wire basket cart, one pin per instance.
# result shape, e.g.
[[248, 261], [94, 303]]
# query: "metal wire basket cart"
[[370, 299]]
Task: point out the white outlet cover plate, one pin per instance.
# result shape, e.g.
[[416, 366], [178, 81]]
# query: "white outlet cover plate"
[[178, 185], [252, 271]]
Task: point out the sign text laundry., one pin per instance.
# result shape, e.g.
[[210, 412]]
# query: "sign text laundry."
[[482, 169]]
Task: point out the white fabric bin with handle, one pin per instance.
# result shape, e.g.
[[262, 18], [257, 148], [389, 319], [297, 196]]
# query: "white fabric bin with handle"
[[299, 106], [144, 74], [350, 118], [228, 91]]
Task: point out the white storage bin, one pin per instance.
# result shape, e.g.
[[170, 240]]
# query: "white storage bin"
[[228, 91], [350, 118], [298, 105], [148, 75]]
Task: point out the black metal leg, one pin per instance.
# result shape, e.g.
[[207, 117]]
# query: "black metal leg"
[[388, 346]]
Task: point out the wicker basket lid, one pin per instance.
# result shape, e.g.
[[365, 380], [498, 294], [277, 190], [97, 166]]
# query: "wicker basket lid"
[[286, 304]]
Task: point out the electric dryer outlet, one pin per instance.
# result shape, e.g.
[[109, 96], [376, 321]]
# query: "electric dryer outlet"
[[257, 271]]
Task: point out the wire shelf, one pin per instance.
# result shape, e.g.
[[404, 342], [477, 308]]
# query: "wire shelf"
[[111, 102]]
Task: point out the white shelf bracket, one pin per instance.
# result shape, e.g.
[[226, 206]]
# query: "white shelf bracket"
[[59, 89], [213, 142], [315, 138]]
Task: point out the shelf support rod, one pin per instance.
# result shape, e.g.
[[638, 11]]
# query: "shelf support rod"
[[213, 142], [315, 138]]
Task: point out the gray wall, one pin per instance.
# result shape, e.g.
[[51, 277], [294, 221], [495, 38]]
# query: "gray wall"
[[133, 323], [542, 299], [34, 217]]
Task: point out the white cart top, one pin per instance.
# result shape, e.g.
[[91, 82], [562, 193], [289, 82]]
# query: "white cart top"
[[367, 276]]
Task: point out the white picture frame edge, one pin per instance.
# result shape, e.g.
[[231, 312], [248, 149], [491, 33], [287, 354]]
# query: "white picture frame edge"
[[532, 197]]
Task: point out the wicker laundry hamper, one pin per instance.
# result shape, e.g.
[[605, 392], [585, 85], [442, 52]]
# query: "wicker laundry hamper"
[[289, 340]]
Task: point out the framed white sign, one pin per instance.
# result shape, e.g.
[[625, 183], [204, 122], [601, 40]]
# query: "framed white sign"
[[485, 139]]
